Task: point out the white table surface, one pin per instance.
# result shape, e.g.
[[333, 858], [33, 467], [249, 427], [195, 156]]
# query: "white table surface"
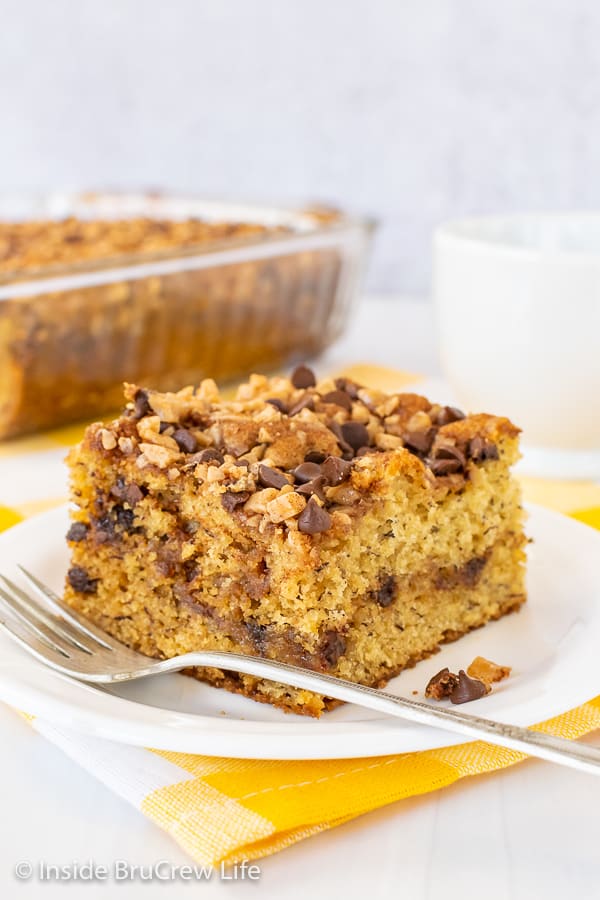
[[527, 833]]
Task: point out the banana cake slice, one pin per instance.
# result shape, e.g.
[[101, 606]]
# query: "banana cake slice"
[[325, 524]]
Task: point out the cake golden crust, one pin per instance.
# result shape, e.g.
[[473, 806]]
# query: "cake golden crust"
[[330, 526]]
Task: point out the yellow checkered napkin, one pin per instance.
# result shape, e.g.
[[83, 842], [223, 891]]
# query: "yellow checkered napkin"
[[229, 810]]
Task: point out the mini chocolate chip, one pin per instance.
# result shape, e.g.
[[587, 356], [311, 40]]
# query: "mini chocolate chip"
[[230, 499], [481, 449], [306, 471], [420, 441], [185, 440], [355, 434], [333, 645], [348, 387], [313, 519], [124, 517], [133, 494], [210, 455], [305, 402], [303, 377], [77, 531], [271, 478], [468, 689], [386, 594], [315, 486], [80, 580], [315, 456], [141, 404], [340, 398], [336, 470], [278, 404], [441, 685], [449, 414]]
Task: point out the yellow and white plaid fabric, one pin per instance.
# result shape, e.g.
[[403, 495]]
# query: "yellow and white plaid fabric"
[[229, 810]]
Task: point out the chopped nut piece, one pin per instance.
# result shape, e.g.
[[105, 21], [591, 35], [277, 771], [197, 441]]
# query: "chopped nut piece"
[[487, 671], [286, 506], [107, 439]]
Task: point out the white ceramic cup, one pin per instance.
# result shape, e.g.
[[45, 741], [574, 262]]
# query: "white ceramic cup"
[[518, 310]]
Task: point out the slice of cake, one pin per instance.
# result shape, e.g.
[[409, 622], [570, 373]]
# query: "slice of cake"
[[326, 525]]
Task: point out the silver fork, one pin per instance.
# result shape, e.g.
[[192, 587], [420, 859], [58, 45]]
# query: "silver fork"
[[66, 641]]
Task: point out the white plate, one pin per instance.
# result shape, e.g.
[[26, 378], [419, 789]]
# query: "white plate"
[[551, 645]]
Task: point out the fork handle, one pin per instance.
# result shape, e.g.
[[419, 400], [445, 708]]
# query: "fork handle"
[[522, 740]]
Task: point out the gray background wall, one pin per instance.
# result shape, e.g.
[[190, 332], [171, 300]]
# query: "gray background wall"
[[414, 110]]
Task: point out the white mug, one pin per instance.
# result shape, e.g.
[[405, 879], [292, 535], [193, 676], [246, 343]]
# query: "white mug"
[[518, 311]]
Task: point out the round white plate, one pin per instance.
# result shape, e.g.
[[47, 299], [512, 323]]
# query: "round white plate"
[[551, 645]]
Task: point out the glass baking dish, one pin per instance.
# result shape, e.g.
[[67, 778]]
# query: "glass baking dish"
[[71, 334]]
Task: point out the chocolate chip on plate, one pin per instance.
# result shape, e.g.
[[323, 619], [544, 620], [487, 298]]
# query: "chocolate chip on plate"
[[336, 470], [355, 434], [185, 440], [468, 689], [306, 471], [271, 478], [441, 684], [313, 519], [303, 377]]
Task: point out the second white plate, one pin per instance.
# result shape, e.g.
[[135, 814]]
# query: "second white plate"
[[551, 645]]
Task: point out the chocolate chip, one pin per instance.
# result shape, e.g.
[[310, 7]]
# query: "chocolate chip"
[[185, 440], [230, 499], [315, 456], [480, 449], [77, 531], [449, 414], [271, 478], [348, 387], [241, 463], [210, 455], [278, 404], [468, 689], [132, 494], [336, 470], [449, 451], [336, 429], [387, 592], [313, 519], [141, 404], [124, 517], [257, 634], [340, 398], [303, 377], [420, 441], [441, 685], [441, 467], [315, 486], [333, 645], [104, 529], [80, 580], [306, 471], [305, 402], [355, 434]]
